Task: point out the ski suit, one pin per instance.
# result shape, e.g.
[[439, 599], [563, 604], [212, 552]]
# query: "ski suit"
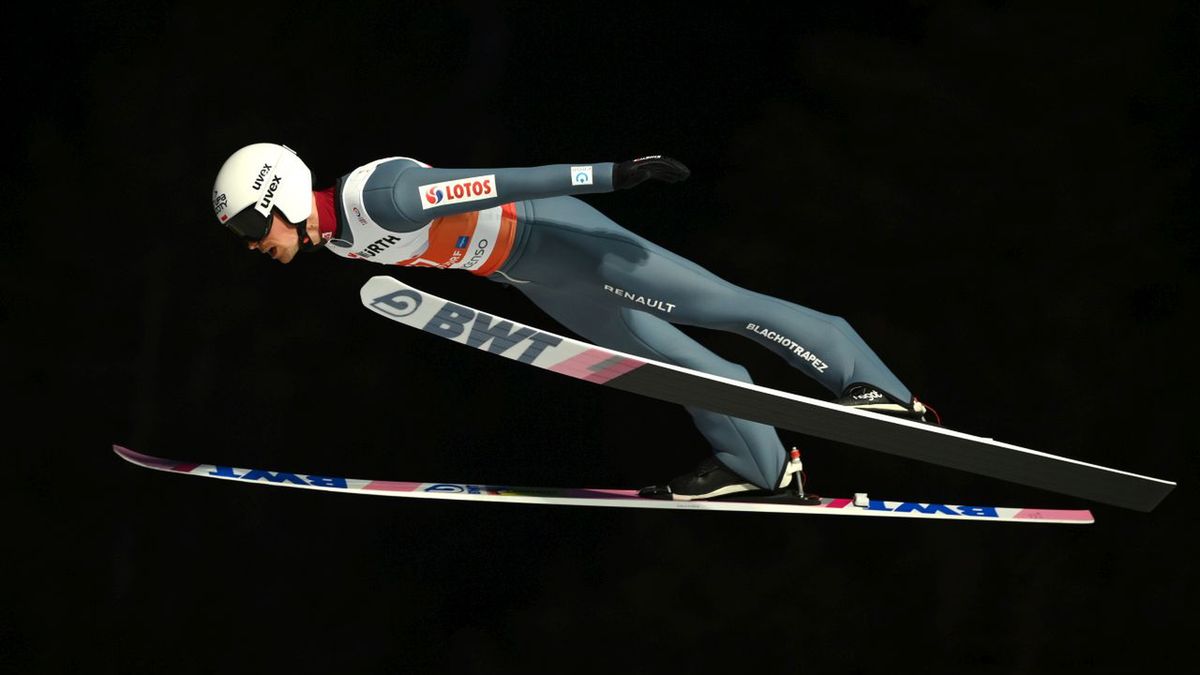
[[520, 226]]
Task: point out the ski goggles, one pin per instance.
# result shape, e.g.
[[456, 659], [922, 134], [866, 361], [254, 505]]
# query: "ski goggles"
[[250, 225]]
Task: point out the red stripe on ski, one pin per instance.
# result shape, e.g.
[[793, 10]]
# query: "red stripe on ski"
[[599, 492], [839, 503], [596, 366], [1053, 514]]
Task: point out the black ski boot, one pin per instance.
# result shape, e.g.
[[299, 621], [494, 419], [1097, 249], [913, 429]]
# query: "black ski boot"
[[712, 480], [866, 397]]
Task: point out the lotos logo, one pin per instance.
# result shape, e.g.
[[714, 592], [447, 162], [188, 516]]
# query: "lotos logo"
[[463, 190], [434, 195]]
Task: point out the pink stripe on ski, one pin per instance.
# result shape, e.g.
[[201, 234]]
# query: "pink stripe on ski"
[[839, 503], [392, 486], [1053, 514], [596, 366], [155, 462], [600, 493]]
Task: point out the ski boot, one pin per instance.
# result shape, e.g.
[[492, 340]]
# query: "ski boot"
[[865, 397], [712, 480]]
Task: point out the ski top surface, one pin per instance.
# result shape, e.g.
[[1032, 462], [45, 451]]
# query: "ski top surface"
[[602, 497], [402, 303]]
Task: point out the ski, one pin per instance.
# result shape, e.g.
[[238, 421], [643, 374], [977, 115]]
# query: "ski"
[[400, 302], [860, 506]]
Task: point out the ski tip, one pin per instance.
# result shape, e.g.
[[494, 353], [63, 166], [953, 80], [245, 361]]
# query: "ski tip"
[[135, 457], [380, 279], [150, 462], [376, 285]]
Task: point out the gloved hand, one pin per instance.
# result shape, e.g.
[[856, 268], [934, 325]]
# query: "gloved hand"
[[629, 174]]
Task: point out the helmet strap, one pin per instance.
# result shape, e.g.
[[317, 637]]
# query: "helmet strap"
[[306, 242]]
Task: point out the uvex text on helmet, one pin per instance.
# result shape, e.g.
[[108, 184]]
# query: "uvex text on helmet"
[[256, 179]]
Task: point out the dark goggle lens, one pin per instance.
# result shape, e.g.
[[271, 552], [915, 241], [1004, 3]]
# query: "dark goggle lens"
[[249, 225]]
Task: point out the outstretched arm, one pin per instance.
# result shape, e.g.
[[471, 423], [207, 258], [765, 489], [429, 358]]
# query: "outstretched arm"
[[421, 194]]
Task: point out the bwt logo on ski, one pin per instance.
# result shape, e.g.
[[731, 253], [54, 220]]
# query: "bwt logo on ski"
[[280, 477], [398, 304], [454, 488], [911, 507], [456, 191], [476, 329]]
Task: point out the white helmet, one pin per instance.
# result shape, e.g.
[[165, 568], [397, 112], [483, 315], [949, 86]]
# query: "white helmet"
[[256, 179]]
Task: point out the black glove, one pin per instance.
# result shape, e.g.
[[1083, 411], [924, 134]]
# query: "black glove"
[[629, 174]]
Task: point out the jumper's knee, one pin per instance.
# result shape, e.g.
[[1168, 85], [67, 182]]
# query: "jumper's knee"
[[732, 371], [839, 325]]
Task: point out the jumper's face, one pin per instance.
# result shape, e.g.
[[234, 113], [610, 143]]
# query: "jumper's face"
[[282, 242]]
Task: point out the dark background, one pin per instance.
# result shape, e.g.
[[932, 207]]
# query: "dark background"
[[1000, 198]]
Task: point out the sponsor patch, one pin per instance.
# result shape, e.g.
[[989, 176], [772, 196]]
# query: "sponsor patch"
[[652, 303], [470, 189], [791, 345], [478, 256], [581, 175], [220, 202], [376, 247]]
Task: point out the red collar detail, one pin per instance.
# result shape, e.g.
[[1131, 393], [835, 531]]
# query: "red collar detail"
[[326, 217]]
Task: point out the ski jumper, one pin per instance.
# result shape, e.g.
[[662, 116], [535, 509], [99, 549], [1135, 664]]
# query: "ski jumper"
[[519, 226]]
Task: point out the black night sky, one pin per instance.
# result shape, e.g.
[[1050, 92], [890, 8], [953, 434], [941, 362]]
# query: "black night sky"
[[1000, 198]]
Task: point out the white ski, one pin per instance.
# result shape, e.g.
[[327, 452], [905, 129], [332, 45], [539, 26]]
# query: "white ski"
[[402, 303], [860, 506]]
